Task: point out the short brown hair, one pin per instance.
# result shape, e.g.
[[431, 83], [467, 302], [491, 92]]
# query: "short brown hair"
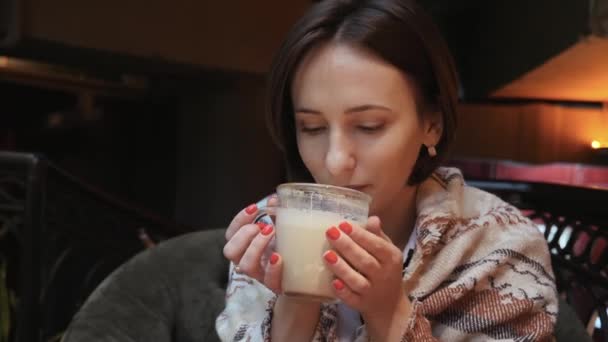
[[399, 32]]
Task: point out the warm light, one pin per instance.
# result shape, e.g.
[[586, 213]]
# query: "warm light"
[[595, 144]]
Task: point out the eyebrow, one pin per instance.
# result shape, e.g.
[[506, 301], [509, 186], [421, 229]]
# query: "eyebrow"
[[355, 109]]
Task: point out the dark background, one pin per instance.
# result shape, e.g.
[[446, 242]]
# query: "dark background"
[[193, 145]]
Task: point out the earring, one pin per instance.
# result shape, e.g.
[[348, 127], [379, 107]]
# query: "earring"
[[432, 151]]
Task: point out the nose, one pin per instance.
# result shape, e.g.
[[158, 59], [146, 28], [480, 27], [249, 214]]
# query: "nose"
[[340, 159]]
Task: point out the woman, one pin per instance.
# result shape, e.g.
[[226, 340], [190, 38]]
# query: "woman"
[[363, 95]]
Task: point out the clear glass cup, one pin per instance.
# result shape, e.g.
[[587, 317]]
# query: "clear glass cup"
[[304, 213]]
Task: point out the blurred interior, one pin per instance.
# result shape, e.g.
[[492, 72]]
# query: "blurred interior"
[[157, 107], [143, 103]]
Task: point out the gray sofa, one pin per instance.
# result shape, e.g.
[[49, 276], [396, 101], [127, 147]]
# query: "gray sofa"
[[171, 292], [174, 291]]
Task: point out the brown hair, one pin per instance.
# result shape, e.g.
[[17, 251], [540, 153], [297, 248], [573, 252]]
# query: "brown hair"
[[399, 32]]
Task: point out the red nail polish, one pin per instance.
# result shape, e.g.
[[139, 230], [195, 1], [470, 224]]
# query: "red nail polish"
[[331, 257], [267, 230], [251, 209], [338, 284], [274, 258], [346, 227], [261, 225], [333, 233]]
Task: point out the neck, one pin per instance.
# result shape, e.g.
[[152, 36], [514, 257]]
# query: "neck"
[[398, 220]]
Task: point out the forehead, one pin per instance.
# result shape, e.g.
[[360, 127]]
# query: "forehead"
[[335, 71]]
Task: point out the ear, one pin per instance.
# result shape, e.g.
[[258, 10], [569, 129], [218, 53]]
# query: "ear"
[[433, 128]]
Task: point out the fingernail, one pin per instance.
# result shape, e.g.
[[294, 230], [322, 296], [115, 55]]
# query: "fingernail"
[[274, 258], [333, 233], [338, 284], [261, 225], [251, 209], [346, 227], [331, 257], [267, 230]]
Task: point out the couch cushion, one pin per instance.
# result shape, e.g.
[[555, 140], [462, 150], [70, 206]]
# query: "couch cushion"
[[171, 292]]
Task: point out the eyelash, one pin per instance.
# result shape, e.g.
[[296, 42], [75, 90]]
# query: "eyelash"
[[313, 130], [370, 129], [366, 129]]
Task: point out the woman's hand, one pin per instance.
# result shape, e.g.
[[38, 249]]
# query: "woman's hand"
[[246, 244], [368, 269]]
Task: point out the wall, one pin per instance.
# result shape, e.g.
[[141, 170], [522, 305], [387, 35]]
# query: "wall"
[[237, 35], [208, 154], [537, 133], [225, 158]]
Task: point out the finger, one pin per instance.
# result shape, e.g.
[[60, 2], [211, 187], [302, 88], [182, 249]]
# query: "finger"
[[237, 245], [273, 274], [360, 259], [244, 217], [375, 226], [355, 280], [267, 209], [273, 204], [345, 294], [250, 262], [377, 246]]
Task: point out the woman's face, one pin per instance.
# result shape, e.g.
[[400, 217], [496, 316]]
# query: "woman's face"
[[357, 124]]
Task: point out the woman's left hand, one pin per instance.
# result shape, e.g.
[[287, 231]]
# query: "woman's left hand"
[[368, 269]]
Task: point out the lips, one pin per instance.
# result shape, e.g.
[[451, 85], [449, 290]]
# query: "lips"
[[357, 187]]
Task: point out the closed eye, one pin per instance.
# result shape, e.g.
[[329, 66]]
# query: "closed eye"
[[371, 129], [312, 130]]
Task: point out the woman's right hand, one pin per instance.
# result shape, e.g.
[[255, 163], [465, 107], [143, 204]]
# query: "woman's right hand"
[[246, 244]]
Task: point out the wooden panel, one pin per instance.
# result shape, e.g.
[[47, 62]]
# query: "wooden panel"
[[579, 127], [538, 133], [487, 132]]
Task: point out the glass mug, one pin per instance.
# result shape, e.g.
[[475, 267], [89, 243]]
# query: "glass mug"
[[303, 215]]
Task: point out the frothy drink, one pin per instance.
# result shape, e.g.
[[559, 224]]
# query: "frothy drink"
[[304, 213], [301, 241]]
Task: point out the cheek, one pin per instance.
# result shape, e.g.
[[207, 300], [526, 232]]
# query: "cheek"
[[396, 153], [393, 166], [312, 154], [396, 163]]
